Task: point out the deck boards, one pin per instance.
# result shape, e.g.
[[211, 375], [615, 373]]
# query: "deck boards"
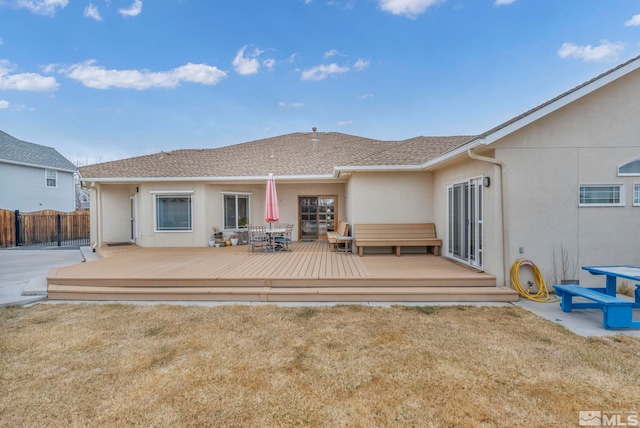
[[310, 272]]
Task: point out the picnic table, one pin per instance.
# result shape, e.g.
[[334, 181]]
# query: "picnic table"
[[617, 313]]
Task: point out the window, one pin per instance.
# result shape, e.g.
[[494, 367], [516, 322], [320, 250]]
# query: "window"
[[173, 212], [236, 210], [630, 168], [636, 195], [51, 178], [602, 195]]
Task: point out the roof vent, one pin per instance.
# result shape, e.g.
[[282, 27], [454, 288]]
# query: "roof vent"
[[315, 137]]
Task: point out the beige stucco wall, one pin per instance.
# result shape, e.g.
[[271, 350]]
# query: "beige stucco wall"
[[390, 197], [207, 206], [546, 162]]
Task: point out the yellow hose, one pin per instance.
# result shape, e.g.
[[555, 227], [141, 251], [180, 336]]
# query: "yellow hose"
[[542, 295]]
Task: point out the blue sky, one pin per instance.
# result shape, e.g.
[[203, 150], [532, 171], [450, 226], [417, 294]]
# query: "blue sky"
[[107, 79]]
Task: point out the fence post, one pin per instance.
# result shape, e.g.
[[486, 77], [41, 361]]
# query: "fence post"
[[18, 228], [59, 228]]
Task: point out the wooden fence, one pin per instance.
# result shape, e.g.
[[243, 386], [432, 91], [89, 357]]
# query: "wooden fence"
[[7, 228], [44, 228]]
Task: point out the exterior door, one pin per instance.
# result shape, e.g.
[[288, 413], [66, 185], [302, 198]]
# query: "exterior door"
[[317, 216], [132, 219], [465, 226]]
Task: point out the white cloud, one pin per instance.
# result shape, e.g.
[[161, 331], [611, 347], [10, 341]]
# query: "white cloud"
[[269, 63], [134, 10], [92, 12], [247, 64], [49, 68], [24, 81], [635, 20], [290, 105], [97, 77], [43, 7], [605, 52], [1, 41], [408, 8], [331, 53], [365, 96], [344, 122], [361, 64], [342, 4], [504, 2], [321, 72], [4, 104]]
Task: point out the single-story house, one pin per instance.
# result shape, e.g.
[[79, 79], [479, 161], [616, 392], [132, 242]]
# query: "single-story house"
[[558, 185], [35, 177]]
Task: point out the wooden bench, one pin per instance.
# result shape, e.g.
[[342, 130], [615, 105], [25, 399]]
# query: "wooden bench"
[[616, 313], [397, 236], [342, 230]]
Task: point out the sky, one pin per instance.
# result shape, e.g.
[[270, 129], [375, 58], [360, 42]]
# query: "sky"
[[102, 80]]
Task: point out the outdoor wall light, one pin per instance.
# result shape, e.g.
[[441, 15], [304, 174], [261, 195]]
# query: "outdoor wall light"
[[486, 182]]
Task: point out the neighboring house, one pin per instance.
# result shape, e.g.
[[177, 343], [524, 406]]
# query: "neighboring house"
[[34, 177], [558, 185]]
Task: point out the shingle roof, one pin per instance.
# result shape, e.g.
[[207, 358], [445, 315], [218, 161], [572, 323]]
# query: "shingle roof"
[[14, 150], [295, 154]]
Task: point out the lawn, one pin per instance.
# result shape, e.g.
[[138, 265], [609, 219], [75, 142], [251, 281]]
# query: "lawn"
[[356, 366]]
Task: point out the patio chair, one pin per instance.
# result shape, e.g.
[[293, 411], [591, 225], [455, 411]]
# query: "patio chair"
[[282, 242], [257, 237]]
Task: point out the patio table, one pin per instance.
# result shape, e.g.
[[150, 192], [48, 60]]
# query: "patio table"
[[631, 273], [270, 232]]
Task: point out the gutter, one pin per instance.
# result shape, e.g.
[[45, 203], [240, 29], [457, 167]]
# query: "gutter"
[[255, 179], [92, 185], [503, 206], [33, 165]]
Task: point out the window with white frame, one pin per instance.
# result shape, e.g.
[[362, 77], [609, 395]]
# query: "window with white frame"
[[636, 195], [51, 177], [236, 210], [174, 212], [630, 168], [601, 195]]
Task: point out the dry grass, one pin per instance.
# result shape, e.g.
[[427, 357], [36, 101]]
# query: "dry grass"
[[121, 365]]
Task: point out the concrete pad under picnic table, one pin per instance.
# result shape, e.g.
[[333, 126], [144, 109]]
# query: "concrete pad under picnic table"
[[585, 322]]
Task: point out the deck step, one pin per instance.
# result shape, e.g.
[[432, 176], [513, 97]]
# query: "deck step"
[[287, 294]]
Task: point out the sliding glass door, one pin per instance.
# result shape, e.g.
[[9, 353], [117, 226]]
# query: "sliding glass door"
[[465, 228]]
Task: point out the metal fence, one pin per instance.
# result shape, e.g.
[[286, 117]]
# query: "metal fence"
[[44, 228]]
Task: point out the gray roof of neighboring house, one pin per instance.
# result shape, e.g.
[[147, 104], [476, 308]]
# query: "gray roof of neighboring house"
[[18, 151], [295, 154]]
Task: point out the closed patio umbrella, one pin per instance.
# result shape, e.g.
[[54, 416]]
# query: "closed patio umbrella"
[[271, 209]]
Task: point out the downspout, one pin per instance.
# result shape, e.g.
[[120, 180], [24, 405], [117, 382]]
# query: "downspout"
[[503, 206], [98, 194]]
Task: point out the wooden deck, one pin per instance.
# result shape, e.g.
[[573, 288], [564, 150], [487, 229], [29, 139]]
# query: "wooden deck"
[[310, 272]]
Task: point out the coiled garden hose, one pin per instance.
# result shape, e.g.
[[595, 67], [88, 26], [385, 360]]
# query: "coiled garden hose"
[[542, 295]]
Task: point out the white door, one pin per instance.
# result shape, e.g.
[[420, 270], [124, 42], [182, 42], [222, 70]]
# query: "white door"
[[465, 228], [132, 219]]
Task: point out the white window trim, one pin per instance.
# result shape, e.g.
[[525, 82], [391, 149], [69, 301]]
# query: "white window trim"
[[167, 193], [171, 192], [622, 202], [227, 193], [628, 174], [46, 178], [633, 195]]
